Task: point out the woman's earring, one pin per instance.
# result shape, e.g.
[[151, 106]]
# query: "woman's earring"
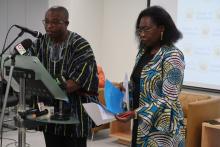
[[161, 36]]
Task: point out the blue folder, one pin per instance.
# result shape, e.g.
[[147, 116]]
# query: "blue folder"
[[113, 98]]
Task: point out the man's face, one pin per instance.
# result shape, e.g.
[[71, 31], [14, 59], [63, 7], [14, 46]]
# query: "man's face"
[[55, 24]]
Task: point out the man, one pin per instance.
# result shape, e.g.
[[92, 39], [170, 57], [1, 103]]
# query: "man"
[[66, 54]]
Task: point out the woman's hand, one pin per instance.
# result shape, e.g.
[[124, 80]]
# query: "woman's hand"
[[121, 87], [126, 116]]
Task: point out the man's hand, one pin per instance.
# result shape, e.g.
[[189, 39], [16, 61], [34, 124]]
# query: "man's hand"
[[71, 86]]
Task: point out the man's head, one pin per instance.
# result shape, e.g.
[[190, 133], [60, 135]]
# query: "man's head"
[[56, 22]]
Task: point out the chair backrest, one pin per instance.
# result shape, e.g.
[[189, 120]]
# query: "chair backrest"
[[187, 97], [199, 112]]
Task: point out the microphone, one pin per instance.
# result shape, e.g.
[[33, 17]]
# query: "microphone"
[[21, 48], [33, 33], [34, 112]]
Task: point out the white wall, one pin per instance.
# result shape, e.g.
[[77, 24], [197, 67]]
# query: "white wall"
[[119, 46], [109, 26], [26, 13], [86, 19], [169, 5]]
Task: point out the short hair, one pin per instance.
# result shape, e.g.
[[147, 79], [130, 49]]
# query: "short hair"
[[160, 16], [60, 9]]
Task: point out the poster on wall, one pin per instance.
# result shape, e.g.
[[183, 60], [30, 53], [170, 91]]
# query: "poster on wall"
[[199, 21]]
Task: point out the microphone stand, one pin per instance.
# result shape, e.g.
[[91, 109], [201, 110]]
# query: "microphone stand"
[[9, 81], [6, 94], [21, 106], [4, 50], [19, 119], [22, 129]]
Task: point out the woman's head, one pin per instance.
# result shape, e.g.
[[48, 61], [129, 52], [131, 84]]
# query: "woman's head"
[[155, 27]]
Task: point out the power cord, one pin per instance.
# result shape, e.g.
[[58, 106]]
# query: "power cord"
[[14, 141]]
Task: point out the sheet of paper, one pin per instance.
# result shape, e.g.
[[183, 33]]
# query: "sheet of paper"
[[105, 114], [126, 93], [98, 114]]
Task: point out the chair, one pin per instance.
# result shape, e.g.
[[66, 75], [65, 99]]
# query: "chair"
[[198, 112]]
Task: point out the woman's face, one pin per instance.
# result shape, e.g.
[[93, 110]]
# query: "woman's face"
[[148, 32]]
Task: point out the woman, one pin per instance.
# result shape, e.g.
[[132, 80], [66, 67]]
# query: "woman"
[[156, 82]]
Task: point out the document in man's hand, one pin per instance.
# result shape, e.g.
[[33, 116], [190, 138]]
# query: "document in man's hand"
[[98, 113]]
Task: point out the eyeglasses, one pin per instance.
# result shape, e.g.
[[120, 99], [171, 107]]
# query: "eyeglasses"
[[144, 30], [53, 22]]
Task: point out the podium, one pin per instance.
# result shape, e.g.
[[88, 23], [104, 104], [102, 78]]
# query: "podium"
[[28, 76]]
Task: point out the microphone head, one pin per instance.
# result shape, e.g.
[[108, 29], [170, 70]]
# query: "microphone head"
[[26, 43], [22, 47], [33, 33]]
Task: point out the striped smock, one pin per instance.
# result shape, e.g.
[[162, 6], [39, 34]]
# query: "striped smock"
[[72, 59]]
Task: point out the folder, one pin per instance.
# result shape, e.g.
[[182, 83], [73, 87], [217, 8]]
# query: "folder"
[[113, 98]]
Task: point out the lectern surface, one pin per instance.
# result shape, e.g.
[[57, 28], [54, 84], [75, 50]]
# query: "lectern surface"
[[32, 63], [45, 120]]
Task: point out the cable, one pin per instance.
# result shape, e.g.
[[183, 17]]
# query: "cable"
[[11, 144], [14, 141], [3, 48], [16, 144]]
